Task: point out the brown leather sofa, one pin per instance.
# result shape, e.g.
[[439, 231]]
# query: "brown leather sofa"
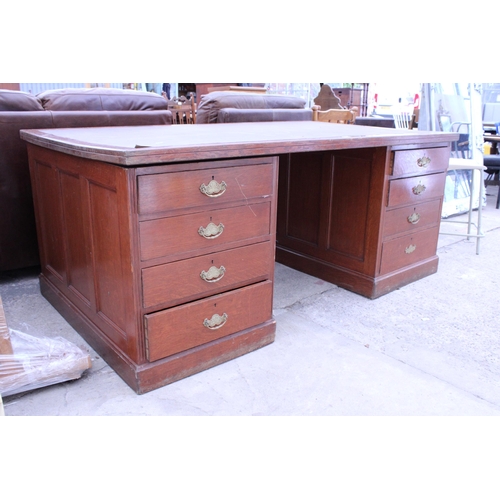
[[232, 107], [65, 108]]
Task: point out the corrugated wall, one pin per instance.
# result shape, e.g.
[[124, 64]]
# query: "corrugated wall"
[[36, 88]]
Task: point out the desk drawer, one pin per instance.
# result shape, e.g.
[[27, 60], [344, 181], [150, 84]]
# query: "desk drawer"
[[414, 190], [200, 188], [407, 250], [412, 218], [191, 279], [180, 328], [176, 235], [420, 161]]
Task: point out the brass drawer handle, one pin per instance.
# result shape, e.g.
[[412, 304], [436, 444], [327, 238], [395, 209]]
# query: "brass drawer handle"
[[410, 248], [213, 189], [211, 231], [213, 274], [418, 189], [216, 322], [413, 218], [423, 162]]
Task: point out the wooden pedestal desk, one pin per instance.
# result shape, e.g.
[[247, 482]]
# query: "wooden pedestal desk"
[[158, 243]]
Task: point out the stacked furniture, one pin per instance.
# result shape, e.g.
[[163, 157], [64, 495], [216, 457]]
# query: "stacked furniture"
[[65, 108]]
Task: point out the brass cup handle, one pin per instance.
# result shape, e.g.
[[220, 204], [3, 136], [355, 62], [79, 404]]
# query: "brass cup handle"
[[213, 189], [413, 218], [212, 231], [423, 162], [410, 249], [213, 274], [418, 189], [216, 322]]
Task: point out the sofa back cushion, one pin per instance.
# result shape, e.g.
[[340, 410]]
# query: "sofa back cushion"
[[101, 99], [212, 103], [71, 119], [15, 100]]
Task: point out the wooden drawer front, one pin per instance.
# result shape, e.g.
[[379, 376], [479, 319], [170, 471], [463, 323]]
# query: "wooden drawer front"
[[162, 192], [420, 161], [190, 279], [415, 189], [175, 330], [175, 235], [412, 218], [407, 250]]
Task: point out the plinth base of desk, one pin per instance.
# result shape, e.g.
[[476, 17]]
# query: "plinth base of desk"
[[146, 377], [367, 286]]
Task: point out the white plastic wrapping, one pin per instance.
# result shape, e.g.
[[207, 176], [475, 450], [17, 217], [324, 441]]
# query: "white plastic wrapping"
[[39, 362]]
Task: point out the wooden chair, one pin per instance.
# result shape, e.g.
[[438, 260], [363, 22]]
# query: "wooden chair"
[[183, 111], [403, 119], [326, 99], [346, 116]]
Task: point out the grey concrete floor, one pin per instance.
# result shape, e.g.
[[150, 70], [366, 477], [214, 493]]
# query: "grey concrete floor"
[[429, 348]]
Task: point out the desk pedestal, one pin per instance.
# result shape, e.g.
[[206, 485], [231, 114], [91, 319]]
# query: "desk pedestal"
[[364, 219], [165, 270]]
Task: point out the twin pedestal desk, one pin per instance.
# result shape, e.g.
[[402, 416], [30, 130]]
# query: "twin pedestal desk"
[[158, 243]]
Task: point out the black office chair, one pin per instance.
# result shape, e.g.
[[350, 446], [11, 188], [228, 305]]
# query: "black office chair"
[[492, 164]]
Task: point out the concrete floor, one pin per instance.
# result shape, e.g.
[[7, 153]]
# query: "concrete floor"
[[429, 348]]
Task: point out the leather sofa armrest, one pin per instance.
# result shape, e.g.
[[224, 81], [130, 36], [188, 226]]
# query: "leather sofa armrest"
[[212, 103], [232, 115]]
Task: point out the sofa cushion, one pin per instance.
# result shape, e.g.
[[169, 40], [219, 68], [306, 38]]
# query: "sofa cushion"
[[15, 100], [212, 103], [100, 99]]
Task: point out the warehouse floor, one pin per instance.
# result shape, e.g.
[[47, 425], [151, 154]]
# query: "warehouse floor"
[[429, 348]]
